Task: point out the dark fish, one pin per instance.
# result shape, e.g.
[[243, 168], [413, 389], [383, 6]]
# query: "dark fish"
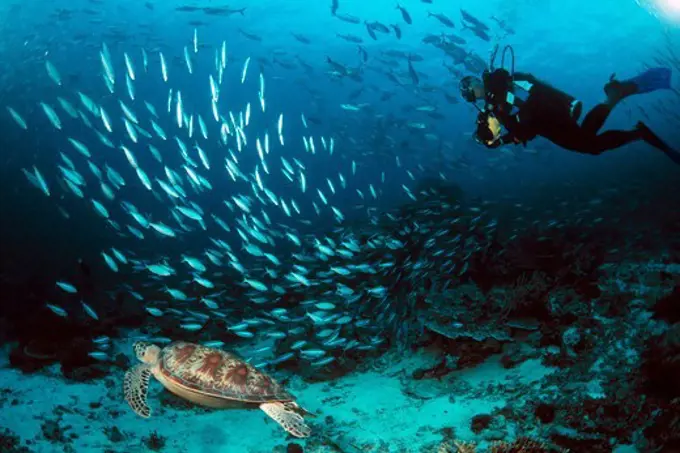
[[442, 18], [355, 75], [350, 38], [349, 19], [301, 38], [458, 74], [501, 23], [397, 31], [363, 53], [148, 5], [62, 14], [356, 93], [432, 39], [250, 36], [455, 39], [284, 64], [474, 63], [337, 66], [334, 7], [473, 20], [458, 54], [412, 73], [370, 31], [308, 68], [396, 53], [377, 26], [393, 78], [481, 34], [240, 11], [451, 99], [389, 63], [404, 14], [225, 11]]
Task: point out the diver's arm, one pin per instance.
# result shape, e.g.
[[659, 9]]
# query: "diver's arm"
[[524, 77]]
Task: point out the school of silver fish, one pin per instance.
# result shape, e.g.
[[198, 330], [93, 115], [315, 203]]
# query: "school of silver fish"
[[315, 298], [347, 285]]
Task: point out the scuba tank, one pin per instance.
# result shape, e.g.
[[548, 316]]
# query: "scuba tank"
[[516, 92]]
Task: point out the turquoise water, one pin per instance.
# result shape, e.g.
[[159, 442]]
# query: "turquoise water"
[[298, 183]]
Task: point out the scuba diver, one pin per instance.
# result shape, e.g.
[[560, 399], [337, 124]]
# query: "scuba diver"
[[527, 107]]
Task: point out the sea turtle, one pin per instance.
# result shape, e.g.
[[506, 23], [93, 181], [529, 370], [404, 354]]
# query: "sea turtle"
[[213, 378]]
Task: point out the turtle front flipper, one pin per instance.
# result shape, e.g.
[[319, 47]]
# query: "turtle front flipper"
[[136, 386], [289, 420]]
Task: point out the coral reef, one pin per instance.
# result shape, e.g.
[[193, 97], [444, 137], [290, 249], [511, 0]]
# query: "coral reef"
[[520, 445]]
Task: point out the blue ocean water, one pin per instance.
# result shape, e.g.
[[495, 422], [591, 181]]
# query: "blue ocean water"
[[299, 183]]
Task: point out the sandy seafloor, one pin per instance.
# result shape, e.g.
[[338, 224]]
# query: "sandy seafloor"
[[382, 410], [379, 407], [371, 411]]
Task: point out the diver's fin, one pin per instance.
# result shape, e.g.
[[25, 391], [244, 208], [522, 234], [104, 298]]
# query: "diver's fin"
[[650, 80], [651, 138], [674, 156]]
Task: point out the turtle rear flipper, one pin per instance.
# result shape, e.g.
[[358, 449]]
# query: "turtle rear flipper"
[[289, 420], [136, 386]]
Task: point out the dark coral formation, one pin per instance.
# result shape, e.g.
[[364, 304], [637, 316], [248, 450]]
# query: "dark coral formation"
[[568, 257], [611, 331], [11, 443], [114, 434], [668, 308], [519, 445], [55, 432], [154, 442], [660, 381], [480, 422]]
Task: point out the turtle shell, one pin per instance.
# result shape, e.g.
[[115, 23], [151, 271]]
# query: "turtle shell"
[[218, 373]]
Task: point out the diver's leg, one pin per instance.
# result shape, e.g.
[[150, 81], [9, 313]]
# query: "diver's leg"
[[651, 138], [609, 140], [615, 139], [595, 119]]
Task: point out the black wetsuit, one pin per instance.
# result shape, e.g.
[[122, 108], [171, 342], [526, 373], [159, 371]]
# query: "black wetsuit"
[[527, 108]]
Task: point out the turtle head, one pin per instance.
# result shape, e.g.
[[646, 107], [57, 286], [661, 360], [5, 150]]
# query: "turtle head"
[[146, 352]]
